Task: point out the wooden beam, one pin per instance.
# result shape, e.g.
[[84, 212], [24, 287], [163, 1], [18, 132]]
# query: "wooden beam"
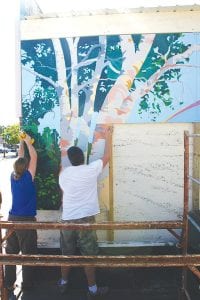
[[196, 169], [111, 197]]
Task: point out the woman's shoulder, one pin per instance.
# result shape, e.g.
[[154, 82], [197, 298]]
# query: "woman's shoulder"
[[26, 175]]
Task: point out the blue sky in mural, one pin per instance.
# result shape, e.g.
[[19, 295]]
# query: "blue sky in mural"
[[184, 91], [190, 78]]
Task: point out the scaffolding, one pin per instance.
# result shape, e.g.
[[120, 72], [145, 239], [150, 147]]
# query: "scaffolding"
[[185, 261]]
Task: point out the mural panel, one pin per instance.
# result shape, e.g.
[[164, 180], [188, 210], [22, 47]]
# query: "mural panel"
[[71, 87]]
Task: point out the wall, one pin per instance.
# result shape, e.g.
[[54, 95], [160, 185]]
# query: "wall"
[[73, 86]]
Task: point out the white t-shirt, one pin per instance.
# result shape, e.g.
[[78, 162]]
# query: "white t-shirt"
[[79, 186]]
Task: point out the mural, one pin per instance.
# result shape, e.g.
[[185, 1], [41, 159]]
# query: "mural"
[[72, 87]]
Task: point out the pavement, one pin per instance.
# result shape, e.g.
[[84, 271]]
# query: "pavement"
[[124, 284]]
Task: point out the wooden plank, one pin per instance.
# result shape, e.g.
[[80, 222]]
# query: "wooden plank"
[[111, 197], [196, 169]]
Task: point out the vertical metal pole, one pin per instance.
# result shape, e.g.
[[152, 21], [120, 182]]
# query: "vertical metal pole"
[[185, 211]]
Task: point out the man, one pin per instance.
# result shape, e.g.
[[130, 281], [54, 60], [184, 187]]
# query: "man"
[[80, 205]]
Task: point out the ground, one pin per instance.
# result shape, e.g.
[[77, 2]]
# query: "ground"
[[125, 284]]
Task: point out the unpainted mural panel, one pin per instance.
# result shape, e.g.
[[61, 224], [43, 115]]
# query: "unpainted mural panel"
[[148, 176]]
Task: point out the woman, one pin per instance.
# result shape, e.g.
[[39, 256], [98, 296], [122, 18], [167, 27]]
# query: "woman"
[[23, 209]]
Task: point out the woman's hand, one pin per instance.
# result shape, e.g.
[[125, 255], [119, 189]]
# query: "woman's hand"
[[28, 139]]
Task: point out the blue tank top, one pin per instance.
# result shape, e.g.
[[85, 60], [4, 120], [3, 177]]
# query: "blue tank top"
[[23, 196]]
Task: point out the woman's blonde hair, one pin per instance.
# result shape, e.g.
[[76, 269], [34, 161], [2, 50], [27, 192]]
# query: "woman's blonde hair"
[[20, 166]]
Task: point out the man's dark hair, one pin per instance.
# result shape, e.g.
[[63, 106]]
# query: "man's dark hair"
[[76, 156]]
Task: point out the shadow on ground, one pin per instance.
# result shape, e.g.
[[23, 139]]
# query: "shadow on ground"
[[125, 284]]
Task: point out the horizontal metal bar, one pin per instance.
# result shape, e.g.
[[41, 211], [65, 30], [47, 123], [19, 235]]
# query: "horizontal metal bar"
[[102, 261], [194, 179], [85, 226]]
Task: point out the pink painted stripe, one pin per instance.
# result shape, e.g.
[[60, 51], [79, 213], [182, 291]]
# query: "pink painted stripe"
[[184, 109]]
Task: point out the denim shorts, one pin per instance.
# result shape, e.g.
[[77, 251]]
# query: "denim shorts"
[[85, 240]]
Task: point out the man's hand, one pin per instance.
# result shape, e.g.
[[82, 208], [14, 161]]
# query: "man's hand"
[[103, 131], [108, 130]]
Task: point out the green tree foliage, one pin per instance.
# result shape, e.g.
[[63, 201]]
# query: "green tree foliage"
[[40, 57], [10, 134], [46, 144], [47, 192], [1, 129], [165, 46]]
